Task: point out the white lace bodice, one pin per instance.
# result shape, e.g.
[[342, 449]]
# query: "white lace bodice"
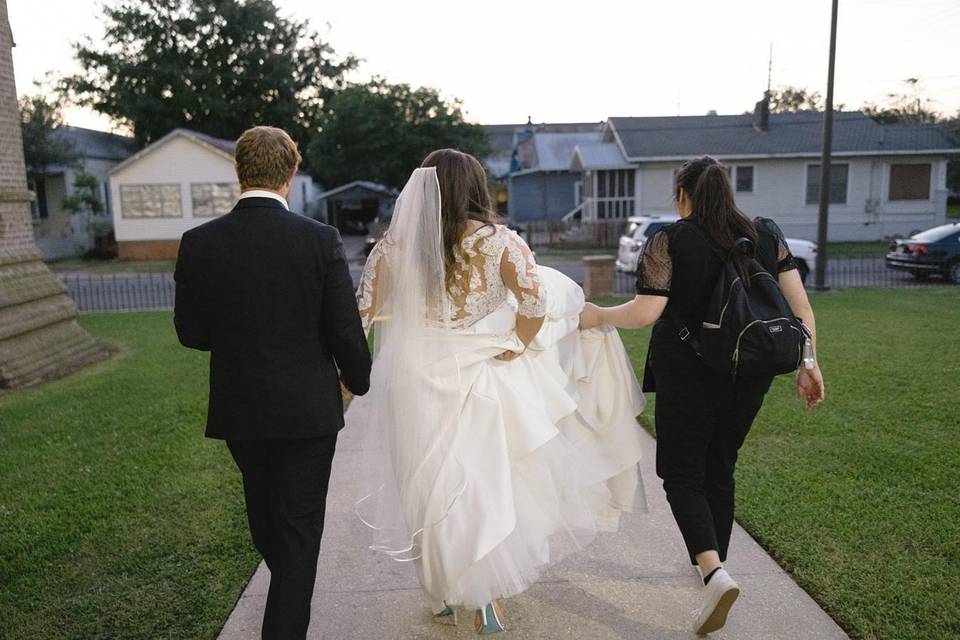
[[493, 263]]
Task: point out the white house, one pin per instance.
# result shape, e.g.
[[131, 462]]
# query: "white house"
[[886, 179], [179, 182]]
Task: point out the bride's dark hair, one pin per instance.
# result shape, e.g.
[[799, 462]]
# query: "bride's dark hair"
[[463, 196]]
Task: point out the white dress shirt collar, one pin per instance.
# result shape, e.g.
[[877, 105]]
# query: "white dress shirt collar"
[[260, 193]]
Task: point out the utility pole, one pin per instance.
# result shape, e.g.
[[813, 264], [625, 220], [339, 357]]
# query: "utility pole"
[[820, 281]]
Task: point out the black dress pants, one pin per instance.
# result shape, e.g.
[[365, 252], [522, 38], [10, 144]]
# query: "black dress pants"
[[285, 485], [702, 419]]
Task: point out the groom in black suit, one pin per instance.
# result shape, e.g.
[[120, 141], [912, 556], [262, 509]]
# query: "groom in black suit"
[[268, 293]]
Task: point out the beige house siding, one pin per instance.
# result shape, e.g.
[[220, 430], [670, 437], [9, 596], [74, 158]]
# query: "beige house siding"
[[180, 161]]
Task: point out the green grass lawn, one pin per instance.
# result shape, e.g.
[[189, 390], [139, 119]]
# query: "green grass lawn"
[[117, 518], [953, 210], [860, 499], [834, 250], [857, 249], [112, 266]]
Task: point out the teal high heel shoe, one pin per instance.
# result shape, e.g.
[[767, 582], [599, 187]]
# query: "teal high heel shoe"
[[489, 620], [447, 616]]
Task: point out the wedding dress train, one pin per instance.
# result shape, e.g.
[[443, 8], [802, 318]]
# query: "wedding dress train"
[[480, 471]]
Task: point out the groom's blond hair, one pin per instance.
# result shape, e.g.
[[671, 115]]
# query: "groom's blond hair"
[[266, 157]]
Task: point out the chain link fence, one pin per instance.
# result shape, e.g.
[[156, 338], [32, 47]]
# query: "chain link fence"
[[120, 291], [156, 291], [841, 273]]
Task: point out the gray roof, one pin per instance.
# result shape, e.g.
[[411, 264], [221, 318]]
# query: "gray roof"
[[503, 140], [501, 137], [97, 145], [227, 146], [788, 134], [568, 127], [597, 155], [555, 150], [365, 185]]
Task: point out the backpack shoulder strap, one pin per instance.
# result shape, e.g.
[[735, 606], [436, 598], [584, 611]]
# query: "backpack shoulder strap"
[[682, 331], [770, 235]]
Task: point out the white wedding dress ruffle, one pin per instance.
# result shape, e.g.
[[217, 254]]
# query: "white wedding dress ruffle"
[[511, 464]]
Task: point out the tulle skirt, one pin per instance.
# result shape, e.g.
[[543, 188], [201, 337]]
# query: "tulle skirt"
[[517, 464]]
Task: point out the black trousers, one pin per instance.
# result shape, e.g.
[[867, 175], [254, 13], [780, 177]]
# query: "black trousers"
[[702, 419], [285, 485]]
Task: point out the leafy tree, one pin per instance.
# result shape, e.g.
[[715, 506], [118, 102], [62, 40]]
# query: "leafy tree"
[[912, 106], [380, 131], [953, 166], [908, 106], [216, 66], [86, 200], [790, 99], [40, 118]]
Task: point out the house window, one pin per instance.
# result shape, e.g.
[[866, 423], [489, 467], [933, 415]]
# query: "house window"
[[910, 181], [150, 201], [744, 180], [838, 183], [38, 208], [214, 199]]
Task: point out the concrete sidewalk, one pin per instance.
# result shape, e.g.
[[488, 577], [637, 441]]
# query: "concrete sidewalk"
[[636, 584]]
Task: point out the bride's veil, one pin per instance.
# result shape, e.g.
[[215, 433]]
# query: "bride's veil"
[[414, 388]]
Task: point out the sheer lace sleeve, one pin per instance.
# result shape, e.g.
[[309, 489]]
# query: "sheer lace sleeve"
[[785, 261], [519, 272], [655, 270], [367, 301]]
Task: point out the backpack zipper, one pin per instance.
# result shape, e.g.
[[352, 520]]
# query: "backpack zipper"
[[736, 350], [710, 325], [725, 305]]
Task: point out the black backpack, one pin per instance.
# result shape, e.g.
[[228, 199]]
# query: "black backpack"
[[746, 331]]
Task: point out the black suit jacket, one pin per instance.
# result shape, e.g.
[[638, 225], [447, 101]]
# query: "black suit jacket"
[[269, 294]]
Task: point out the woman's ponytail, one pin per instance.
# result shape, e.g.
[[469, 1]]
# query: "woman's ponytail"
[[707, 184]]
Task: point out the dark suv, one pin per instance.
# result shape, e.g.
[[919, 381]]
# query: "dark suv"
[[932, 252]]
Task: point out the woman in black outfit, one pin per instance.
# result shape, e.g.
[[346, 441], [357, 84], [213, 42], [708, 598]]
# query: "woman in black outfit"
[[702, 417]]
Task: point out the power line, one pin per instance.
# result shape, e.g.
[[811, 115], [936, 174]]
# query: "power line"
[[901, 30]]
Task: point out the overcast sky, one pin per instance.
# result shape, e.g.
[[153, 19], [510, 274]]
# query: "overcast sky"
[[560, 61]]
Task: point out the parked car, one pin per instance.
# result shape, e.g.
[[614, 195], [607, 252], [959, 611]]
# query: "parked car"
[[935, 251], [639, 228], [804, 254]]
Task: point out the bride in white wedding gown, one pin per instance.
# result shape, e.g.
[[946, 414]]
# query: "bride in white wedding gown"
[[499, 436]]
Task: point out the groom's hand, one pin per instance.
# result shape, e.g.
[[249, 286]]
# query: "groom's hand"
[[345, 393]]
